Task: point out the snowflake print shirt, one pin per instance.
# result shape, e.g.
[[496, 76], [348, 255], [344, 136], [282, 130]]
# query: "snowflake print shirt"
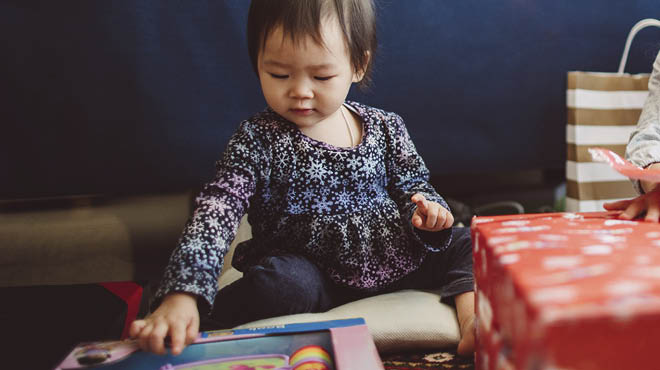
[[346, 209]]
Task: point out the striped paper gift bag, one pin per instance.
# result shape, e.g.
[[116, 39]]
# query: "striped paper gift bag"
[[602, 111]]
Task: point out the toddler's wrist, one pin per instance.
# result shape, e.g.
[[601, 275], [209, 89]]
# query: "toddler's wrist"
[[180, 297]]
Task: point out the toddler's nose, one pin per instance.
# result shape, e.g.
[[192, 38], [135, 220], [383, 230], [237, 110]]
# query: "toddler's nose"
[[301, 90]]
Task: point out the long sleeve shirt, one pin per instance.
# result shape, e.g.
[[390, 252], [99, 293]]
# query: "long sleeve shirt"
[[348, 210], [644, 145]]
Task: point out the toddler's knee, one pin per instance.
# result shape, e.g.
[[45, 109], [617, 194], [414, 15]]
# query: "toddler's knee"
[[288, 284], [462, 240]]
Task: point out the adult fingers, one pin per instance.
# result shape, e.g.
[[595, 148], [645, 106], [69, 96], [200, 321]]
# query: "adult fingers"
[[653, 213], [635, 208], [620, 204]]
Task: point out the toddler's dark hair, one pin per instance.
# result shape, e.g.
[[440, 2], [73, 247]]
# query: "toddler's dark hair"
[[299, 18]]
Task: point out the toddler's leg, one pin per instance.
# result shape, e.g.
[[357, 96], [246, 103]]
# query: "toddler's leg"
[[457, 264], [278, 286], [450, 271], [460, 286], [466, 315]]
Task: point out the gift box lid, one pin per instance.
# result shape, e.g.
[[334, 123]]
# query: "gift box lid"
[[572, 265]]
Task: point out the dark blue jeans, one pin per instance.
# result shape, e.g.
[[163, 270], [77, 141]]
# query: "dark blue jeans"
[[291, 284]]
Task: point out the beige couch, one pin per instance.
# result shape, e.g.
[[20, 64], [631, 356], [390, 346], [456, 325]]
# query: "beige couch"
[[94, 239], [89, 239]]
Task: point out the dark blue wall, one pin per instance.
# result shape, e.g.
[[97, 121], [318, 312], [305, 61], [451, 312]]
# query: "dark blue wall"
[[142, 96]]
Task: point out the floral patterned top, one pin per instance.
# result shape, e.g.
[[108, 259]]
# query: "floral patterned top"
[[346, 209]]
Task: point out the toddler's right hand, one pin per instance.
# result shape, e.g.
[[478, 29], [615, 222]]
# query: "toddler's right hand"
[[177, 316]]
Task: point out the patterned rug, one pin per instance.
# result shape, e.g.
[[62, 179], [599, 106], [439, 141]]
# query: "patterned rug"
[[425, 361]]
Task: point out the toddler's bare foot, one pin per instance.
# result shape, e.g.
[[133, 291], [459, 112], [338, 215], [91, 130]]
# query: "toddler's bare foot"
[[466, 345]]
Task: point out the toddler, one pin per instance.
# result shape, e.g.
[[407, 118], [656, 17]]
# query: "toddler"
[[336, 194]]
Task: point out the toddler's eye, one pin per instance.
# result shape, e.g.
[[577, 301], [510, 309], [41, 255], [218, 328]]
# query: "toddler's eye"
[[323, 78], [281, 77]]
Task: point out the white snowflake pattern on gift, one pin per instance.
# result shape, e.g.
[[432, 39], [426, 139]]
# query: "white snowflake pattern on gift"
[[347, 209]]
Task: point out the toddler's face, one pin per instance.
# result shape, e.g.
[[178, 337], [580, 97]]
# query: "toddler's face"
[[305, 82]]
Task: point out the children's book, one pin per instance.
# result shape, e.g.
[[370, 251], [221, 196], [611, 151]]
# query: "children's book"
[[327, 345]]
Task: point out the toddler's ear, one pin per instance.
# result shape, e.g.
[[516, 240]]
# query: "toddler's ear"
[[358, 75]]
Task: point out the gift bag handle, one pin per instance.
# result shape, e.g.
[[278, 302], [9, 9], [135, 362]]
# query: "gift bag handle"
[[648, 22]]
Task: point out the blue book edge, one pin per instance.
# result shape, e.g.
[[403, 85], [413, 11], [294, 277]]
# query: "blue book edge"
[[289, 328]]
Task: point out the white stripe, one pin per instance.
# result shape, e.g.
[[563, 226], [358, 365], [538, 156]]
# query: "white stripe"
[[598, 135], [591, 172], [595, 99], [574, 205]]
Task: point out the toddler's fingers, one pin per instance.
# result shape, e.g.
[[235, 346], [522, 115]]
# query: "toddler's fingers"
[[442, 221], [157, 338], [417, 220], [191, 331], [449, 220], [420, 200], [433, 218], [417, 197], [177, 336], [136, 328], [143, 337]]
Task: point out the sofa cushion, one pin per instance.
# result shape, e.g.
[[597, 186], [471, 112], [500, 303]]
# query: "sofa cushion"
[[399, 321], [407, 319]]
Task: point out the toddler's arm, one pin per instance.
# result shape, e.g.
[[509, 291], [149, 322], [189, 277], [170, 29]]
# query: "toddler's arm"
[[407, 177], [176, 317], [197, 261]]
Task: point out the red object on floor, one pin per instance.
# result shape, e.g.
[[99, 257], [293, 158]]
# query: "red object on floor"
[[566, 291], [131, 293]]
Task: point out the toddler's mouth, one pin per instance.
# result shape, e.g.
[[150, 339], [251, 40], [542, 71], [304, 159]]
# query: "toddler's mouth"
[[302, 112]]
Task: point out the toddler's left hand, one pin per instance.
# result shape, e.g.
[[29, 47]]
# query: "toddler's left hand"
[[429, 215]]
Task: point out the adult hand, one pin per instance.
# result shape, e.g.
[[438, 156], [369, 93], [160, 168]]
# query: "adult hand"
[[429, 215], [177, 316], [649, 203]]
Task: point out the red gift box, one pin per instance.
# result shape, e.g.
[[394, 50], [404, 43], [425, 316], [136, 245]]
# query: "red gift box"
[[567, 291]]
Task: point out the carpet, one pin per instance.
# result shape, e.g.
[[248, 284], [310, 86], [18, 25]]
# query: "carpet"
[[424, 361]]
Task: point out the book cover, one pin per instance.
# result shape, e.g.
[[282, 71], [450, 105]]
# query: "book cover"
[[327, 345]]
